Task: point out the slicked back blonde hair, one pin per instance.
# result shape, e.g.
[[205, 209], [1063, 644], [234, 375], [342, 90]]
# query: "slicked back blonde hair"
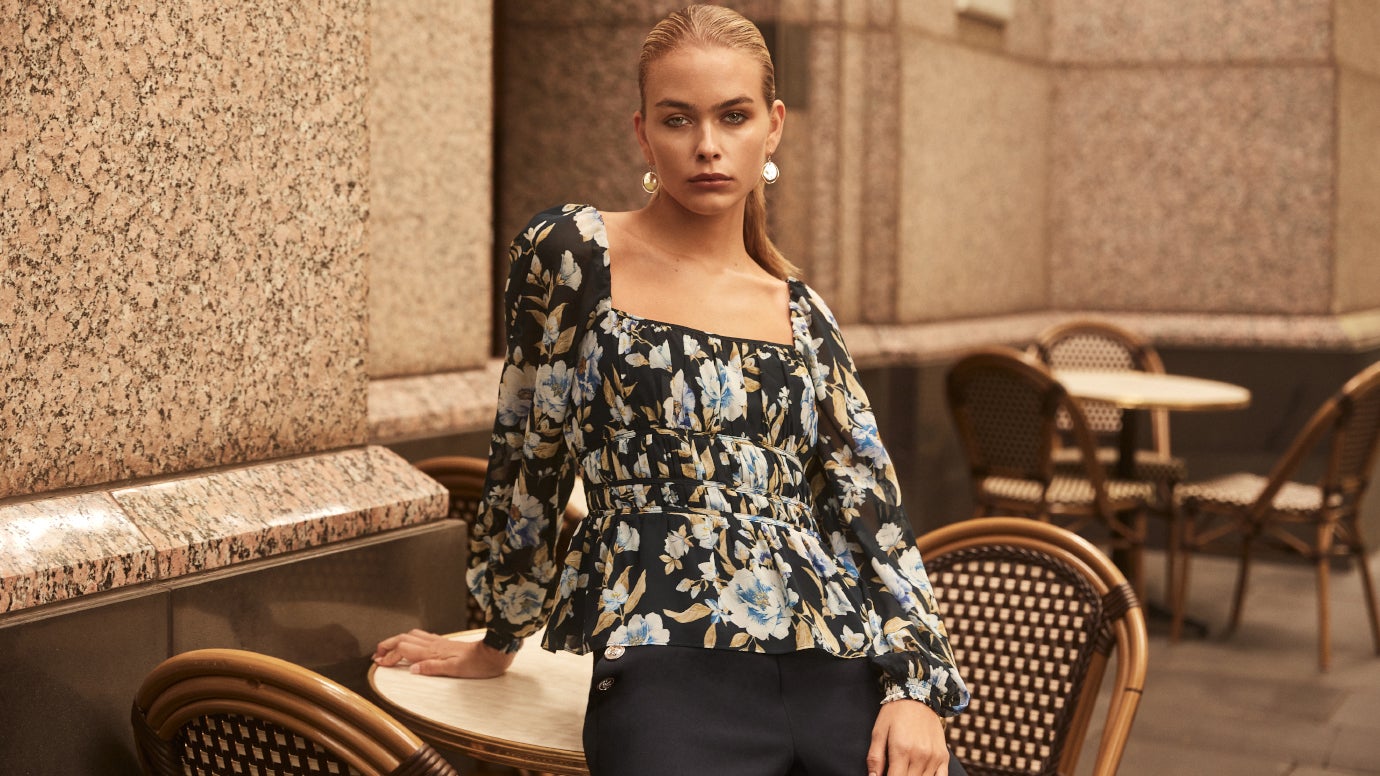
[[714, 25]]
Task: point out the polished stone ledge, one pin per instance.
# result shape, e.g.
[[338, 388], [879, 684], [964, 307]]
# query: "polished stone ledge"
[[408, 408], [62, 547]]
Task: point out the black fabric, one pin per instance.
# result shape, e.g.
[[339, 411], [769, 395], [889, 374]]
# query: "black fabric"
[[677, 711]]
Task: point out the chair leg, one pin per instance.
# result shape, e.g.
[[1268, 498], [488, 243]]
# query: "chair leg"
[[1171, 547], [1358, 552], [1324, 634], [1241, 575], [1178, 598]]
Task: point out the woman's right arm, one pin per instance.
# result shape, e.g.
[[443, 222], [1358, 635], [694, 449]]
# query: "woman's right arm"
[[513, 536]]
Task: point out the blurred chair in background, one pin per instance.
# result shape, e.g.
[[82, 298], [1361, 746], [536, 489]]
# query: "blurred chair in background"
[[1093, 345], [1283, 512], [1006, 408]]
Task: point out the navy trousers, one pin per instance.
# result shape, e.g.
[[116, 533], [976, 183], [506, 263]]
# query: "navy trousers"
[[673, 711]]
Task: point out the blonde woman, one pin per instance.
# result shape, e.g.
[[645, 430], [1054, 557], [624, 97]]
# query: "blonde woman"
[[746, 577]]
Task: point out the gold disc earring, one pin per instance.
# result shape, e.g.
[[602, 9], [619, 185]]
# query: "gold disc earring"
[[770, 172], [650, 183]]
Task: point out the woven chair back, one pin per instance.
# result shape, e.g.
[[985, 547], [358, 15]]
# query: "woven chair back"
[[215, 712], [1033, 612], [461, 475], [1090, 344], [1355, 436], [1004, 407]]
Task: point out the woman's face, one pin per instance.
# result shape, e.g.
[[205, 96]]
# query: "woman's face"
[[707, 129]]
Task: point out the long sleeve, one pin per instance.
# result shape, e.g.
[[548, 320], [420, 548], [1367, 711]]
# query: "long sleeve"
[[512, 542], [859, 508]]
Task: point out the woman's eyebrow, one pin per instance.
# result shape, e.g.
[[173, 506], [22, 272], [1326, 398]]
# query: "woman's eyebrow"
[[685, 106]]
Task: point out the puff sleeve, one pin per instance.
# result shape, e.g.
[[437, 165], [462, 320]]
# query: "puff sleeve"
[[531, 469], [858, 507]]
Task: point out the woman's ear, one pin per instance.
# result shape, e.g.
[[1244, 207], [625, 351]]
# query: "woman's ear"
[[778, 123], [640, 130]]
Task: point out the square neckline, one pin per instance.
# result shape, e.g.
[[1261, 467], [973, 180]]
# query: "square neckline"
[[793, 345]]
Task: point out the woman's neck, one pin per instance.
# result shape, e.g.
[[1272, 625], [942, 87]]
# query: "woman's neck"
[[713, 241]]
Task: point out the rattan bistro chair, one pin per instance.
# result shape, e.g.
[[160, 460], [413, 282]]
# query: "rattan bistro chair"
[[1034, 613], [1271, 509], [215, 712], [1006, 408], [1095, 345]]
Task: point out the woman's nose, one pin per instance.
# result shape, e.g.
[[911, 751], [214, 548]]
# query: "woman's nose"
[[708, 147]]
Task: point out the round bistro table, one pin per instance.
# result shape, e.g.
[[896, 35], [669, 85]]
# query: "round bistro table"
[[530, 717]]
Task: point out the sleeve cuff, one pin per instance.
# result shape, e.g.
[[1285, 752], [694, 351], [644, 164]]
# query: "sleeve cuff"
[[502, 642]]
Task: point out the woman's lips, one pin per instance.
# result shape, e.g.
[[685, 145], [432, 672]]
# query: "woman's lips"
[[711, 179]]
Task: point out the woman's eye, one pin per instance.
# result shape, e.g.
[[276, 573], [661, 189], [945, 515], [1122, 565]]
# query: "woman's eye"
[[736, 117], [677, 121]]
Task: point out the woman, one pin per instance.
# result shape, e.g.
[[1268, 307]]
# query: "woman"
[[745, 543]]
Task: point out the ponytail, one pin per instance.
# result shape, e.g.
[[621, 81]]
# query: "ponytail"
[[758, 242]]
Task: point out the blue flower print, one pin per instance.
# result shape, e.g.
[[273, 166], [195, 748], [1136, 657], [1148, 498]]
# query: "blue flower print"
[[611, 599], [754, 601], [587, 379], [641, 630], [553, 386], [867, 440], [679, 407], [515, 395], [520, 600], [527, 521], [724, 393]]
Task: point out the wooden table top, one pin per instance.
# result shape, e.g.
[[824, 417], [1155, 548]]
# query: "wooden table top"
[[531, 717], [1149, 390]]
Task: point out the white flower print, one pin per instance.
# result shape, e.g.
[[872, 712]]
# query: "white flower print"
[[520, 601], [591, 226], [676, 543], [913, 567], [553, 386], [725, 395], [570, 271], [640, 630], [706, 530], [897, 585], [628, 539], [660, 357], [587, 378], [853, 641], [754, 601], [680, 405], [526, 522], [611, 599], [689, 346], [889, 535], [515, 395]]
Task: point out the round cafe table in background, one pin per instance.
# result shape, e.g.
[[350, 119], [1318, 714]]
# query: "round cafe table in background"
[[531, 717]]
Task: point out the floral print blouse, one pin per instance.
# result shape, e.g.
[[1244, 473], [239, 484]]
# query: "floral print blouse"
[[739, 495]]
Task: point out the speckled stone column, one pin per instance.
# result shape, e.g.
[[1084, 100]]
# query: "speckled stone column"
[[1195, 157], [184, 191], [430, 214]]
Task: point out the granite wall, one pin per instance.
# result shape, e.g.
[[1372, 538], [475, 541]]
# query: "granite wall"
[[1194, 156], [1357, 26], [431, 194], [183, 192]]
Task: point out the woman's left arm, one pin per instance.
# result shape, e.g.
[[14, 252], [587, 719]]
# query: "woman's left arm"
[[861, 511]]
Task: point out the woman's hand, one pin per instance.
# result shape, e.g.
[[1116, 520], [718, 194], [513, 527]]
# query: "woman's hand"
[[434, 655], [907, 740]]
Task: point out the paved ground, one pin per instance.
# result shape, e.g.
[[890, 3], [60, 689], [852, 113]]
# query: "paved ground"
[[1255, 703]]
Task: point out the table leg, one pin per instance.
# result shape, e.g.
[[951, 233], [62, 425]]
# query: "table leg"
[[1125, 468]]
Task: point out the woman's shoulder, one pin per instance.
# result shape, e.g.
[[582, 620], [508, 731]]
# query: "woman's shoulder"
[[552, 232]]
